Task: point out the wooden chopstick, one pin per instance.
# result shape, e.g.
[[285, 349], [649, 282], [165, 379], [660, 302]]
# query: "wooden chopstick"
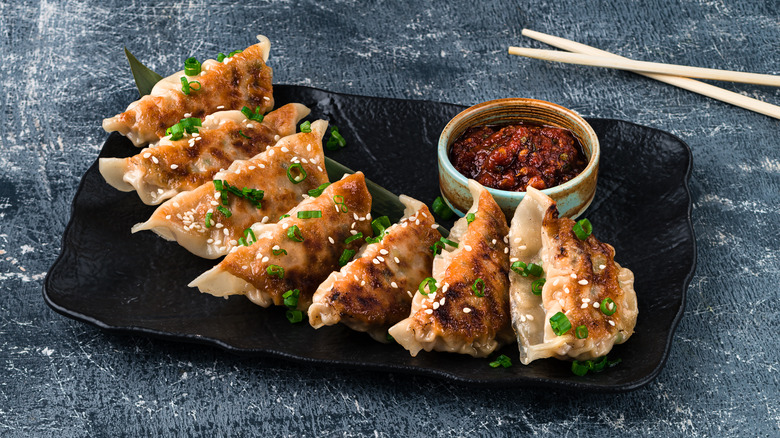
[[647, 67], [685, 83]]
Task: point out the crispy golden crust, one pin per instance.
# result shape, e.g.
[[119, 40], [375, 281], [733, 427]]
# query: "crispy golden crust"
[[306, 263], [593, 262], [455, 319], [245, 80], [181, 165], [373, 292], [183, 218]]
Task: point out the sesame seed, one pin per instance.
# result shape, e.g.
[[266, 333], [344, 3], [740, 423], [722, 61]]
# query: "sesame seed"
[[517, 240], [217, 195], [441, 301], [214, 203], [308, 147], [566, 289], [417, 222], [353, 232], [380, 258], [210, 241], [445, 288], [285, 226], [355, 216], [409, 293], [266, 98], [586, 300], [467, 247], [522, 247], [611, 322], [249, 125], [261, 165], [529, 317], [506, 239], [584, 306], [506, 250], [270, 152], [435, 226], [466, 310], [219, 225], [376, 262], [319, 168], [238, 171], [245, 267], [265, 259], [555, 283], [522, 318], [583, 282], [596, 305], [602, 266], [368, 216], [252, 167], [363, 283], [221, 107], [436, 305], [394, 285], [430, 311], [277, 137], [226, 231], [147, 155], [233, 242], [573, 275], [168, 217], [396, 260], [284, 149], [330, 239], [155, 160], [493, 241], [176, 204], [187, 115], [513, 259], [383, 251]]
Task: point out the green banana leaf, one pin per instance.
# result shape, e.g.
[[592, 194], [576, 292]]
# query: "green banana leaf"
[[384, 202]]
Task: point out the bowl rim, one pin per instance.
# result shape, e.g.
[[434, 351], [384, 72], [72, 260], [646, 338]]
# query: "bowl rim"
[[446, 133]]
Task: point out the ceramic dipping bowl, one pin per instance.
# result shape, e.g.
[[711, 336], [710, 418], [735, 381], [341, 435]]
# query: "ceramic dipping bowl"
[[572, 197]]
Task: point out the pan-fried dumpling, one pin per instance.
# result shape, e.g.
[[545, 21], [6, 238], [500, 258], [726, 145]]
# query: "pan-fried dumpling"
[[373, 292], [295, 253], [237, 81], [468, 312], [170, 167], [579, 275], [184, 217]]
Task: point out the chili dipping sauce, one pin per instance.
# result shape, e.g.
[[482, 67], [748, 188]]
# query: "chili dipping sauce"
[[513, 157]]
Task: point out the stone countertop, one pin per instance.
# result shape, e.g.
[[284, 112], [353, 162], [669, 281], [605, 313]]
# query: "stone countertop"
[[62, 71]]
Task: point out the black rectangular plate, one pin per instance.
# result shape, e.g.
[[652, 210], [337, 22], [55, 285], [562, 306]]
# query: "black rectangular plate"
[[138, 283]]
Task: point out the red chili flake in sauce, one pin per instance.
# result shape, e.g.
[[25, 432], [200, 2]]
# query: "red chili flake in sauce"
[[513, 157]]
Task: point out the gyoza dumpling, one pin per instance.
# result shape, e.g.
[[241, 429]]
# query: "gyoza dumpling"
[[579, 276], [295, 253], [183, 218], [169, 167], [373, 291], [238, 81], [468, 312]]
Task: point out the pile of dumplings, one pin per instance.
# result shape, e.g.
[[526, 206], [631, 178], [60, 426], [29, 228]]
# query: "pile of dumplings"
[[240, 182]]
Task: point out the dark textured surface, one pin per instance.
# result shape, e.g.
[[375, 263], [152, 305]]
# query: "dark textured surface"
[[143, 289], [62, 71]]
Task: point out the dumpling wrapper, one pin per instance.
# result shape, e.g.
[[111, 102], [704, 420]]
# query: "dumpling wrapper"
[[183, 218], [373, 291], [454, 319], [306, 264], [238, 81], [579, 274], [170, 167]]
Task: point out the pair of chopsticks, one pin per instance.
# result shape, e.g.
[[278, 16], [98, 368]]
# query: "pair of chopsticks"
[[677, 75]]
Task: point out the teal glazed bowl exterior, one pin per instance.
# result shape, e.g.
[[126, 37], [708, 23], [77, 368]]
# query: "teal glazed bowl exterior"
[[572, 197]]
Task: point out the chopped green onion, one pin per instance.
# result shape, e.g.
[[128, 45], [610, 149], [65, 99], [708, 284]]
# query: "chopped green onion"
[[560, 324], [309, 214], [318, 191], [336, 140], [470, 218], [430, 283], [233, 53], [218, 185], [582, 229], [376, 239], [191, 67], [291, 298], [531, 269], [297, 179], [221, 57], [187, 86], [188, 125], [353, 237], [537, 285], [441, 209], [294, 316], [283, 216], [597, 365], [342, 205], [346, 256], [436, 247], [208, 220], [294, 233], [257, 116], [581, 332], [249, 233], [478, 287], [276, 252], [275, 271], [448, 242], [176, 132], [501, 361], [580, 368], [306, 126], [224, 211], [379, 225], [242, 241], [243, 135], [608, 306], [390, 338]]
